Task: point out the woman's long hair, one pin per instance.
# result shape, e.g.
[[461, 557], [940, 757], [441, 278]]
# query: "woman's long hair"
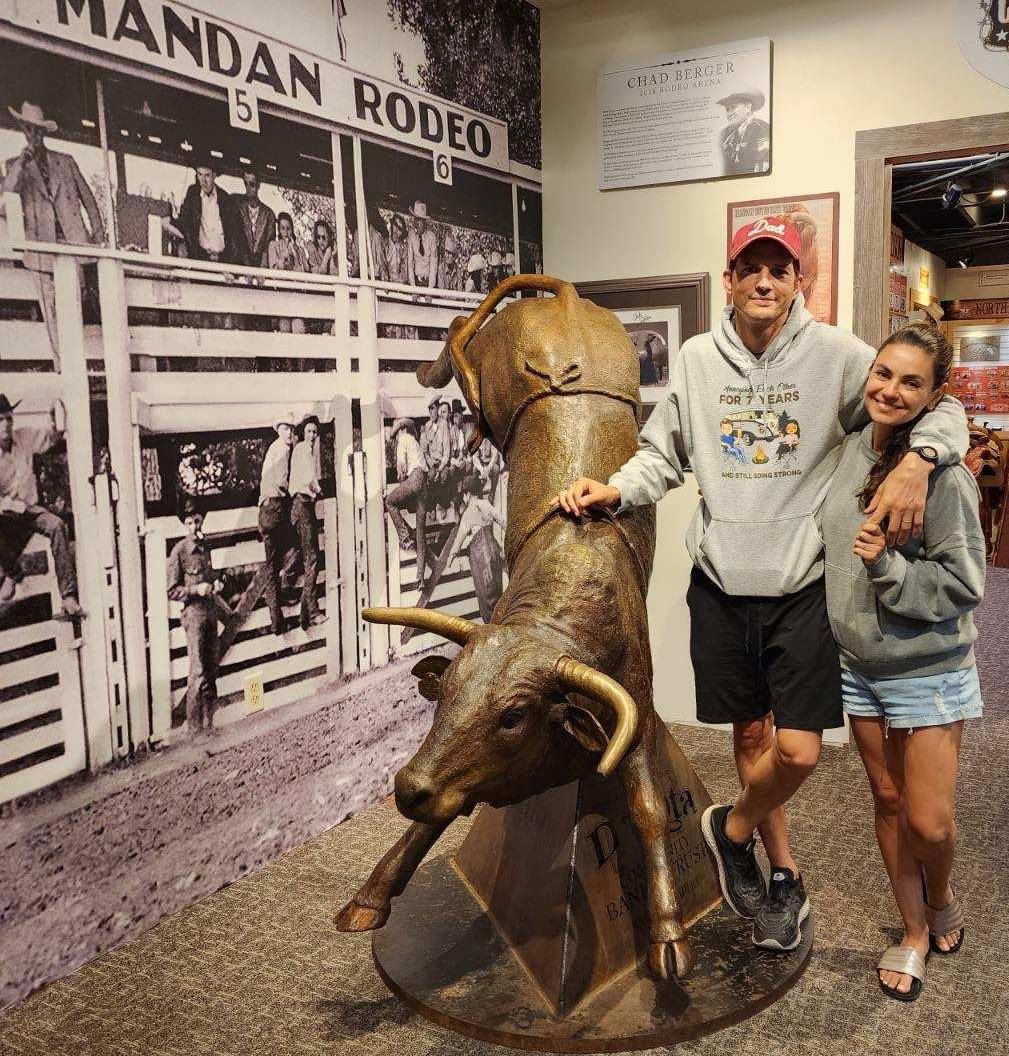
[[898, 443]]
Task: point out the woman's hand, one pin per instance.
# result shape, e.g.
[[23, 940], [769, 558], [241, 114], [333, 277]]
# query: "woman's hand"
[[870, 543], [586, 492]]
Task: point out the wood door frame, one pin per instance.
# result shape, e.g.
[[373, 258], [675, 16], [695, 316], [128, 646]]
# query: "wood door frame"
[[877, 150]]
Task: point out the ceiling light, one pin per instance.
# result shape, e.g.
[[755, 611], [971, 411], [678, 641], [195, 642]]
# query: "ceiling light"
[[245, 161], [998, 192], [952, 195], [155, 139], [216, 154]]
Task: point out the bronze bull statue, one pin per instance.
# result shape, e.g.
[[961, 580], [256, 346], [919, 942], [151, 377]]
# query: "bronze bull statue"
[[560, 681]]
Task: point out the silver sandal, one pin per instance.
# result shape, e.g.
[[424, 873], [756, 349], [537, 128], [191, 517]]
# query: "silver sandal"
[[907, 961], [943, 922]]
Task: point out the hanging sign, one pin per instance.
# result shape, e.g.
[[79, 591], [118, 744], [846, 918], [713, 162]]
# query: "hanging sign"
[[696, 115], [185, 41]]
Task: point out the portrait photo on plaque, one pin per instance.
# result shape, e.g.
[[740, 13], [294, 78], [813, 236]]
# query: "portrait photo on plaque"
[[816, 216]]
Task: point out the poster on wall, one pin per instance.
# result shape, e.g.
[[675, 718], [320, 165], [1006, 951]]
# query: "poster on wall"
[[655, 334], [816, 217], [201, 620], [696, 115]]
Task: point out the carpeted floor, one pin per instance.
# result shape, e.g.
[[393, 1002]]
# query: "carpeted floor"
[[258, 969]]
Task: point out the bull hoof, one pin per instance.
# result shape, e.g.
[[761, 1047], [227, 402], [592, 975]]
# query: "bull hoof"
[[355, 917], [674, 957]]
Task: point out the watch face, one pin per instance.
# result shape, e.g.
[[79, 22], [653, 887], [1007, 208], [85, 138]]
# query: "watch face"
[[928, 452]]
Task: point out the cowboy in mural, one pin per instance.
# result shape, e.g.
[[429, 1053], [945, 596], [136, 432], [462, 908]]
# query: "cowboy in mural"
[[21, 516], [55, 196]]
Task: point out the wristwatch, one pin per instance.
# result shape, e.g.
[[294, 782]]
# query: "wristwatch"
[[929, 454]]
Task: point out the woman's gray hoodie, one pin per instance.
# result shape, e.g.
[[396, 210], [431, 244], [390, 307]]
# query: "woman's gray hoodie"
[[762, 436], [909, 614]]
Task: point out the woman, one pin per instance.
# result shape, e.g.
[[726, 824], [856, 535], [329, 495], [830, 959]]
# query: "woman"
[[305, 490], [285, 254], [902, 620], [321, 253]]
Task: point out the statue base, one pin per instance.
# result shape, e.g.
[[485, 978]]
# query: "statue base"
[[442, 955]]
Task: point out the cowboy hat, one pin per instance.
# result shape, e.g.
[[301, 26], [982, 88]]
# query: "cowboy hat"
[[476, 263], [419, 209], [284, 419], [6, 407], [754, 96], [32, 114]]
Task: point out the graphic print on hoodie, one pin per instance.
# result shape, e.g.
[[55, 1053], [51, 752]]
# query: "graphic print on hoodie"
[[761, 434]]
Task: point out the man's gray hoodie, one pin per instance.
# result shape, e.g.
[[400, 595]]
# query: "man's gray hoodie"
[[762, 434]]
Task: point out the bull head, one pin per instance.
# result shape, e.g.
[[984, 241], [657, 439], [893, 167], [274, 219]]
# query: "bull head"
[[498, 702]]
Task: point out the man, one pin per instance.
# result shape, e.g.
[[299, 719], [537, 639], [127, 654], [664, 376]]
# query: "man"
[[209, 221], [760, 643], [410, 493], [436, 449], [21, 516], [259, 222], [275, 513], [450, 272], [305, 491], [745, 142], [53, 194], [193, 581], [422, 249]]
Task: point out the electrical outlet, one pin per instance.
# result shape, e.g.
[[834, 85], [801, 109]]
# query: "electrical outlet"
[[255, 697]]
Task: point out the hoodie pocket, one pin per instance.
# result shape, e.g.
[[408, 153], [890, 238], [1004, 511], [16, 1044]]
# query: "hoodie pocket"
[[853, 613], [759, 557]]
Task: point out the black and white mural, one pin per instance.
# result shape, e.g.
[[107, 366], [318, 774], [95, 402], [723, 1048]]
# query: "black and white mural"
[[228, 237]]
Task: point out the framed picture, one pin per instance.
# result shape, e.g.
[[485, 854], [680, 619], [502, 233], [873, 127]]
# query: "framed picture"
[[816, 216], [659, 313]]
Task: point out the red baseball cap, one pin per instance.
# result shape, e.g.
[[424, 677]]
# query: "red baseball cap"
[[773, 228]]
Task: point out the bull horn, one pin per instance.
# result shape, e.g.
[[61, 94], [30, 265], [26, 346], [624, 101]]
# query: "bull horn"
[[454, 628], [581, 678]]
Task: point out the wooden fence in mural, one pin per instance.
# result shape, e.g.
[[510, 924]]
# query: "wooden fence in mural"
[[183, 346]]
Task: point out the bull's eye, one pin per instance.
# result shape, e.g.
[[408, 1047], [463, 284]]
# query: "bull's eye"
[[512, 717]]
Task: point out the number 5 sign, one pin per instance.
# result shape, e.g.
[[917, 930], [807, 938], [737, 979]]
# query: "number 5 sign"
[[442, 168], [243, 109]]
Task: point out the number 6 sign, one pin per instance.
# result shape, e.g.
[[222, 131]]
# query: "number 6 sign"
[[243, 109], [442, 168]]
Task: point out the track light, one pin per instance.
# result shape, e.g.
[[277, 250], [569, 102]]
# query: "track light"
[[964, 261], [998, 192], [952, 195]]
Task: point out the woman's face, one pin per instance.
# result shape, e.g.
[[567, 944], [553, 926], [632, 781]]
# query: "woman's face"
[[398, 228], [792, 427], [311, 432], [284, 228], [901, 384], [321, 237], [443, 411]]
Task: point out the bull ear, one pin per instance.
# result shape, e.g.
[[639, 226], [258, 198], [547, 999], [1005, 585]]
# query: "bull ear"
[[581, 724], [429, 672]]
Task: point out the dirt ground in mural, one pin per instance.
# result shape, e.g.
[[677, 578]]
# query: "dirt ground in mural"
[[89, 869]]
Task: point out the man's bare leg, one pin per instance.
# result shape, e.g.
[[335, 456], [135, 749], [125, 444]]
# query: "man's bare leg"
[[750, 741], [773, 779]]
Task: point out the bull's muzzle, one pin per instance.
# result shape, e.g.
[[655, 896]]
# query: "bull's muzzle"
[[414, 792]]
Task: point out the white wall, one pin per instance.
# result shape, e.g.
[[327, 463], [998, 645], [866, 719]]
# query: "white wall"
[[838, 67], [916, 258], [963, 284]]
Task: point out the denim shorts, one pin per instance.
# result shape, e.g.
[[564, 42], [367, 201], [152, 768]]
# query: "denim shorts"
[[910, 703]]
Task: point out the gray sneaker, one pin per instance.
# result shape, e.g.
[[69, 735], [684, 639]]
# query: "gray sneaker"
[[778, 925], [739, 875]]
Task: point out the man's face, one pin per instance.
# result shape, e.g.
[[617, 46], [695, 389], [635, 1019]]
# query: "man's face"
[[763, 282], [736, 113], [36, 137], [421, 223], [251, 186], [286, 433], [205, 178], [194, 525], [6, 430]]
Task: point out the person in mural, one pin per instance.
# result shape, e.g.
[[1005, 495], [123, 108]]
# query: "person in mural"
[[647, 370], [508, 266], [745, 142], [259, 222], [450, 272], [21, 516], [809, 257], [209, 222], [422, 252], [275, 513], [55, 198], [410, 491], [486, 560], [321, 251], [436, 448], [476, 281], [285, 254], [762, 650], [305, 490], [193, 581], [459, 464], [489, 465], [378, 246]]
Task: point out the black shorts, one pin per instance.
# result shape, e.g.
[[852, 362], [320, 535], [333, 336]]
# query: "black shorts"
[[755, 655]]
